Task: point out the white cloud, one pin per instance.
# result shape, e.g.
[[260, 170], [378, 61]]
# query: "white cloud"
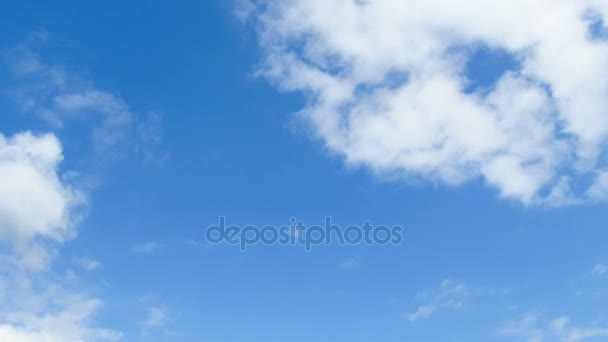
[[450, 295], [34, 201], [38, 209], [388, 89], [526, 328], [533, 328], [36, 308], [41, 206], [599, 188]]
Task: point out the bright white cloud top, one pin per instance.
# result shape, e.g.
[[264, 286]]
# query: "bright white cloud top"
[[37, 209], [388, 88], [34, 202]]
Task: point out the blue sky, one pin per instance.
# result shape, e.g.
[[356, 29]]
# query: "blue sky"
[[169, 116]]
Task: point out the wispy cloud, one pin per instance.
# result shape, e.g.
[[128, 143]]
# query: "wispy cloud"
[[149, 247], [349, 264], [41, 206], [450, 295], [64, 98], [157, 318], [149, 138], [600, 269], [194, 243], [243, 9], [88, 264], [525, 327], [532, 327]]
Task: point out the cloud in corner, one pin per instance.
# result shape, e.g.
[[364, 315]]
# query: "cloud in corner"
[[388, 88]]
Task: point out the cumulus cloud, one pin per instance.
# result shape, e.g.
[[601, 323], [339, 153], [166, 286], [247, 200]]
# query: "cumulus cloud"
[[39, 209], [389, 87], [34, 201], [41, 205]]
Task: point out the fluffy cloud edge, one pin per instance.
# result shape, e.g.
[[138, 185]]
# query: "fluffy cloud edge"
[[35, 202], [536, 135]]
